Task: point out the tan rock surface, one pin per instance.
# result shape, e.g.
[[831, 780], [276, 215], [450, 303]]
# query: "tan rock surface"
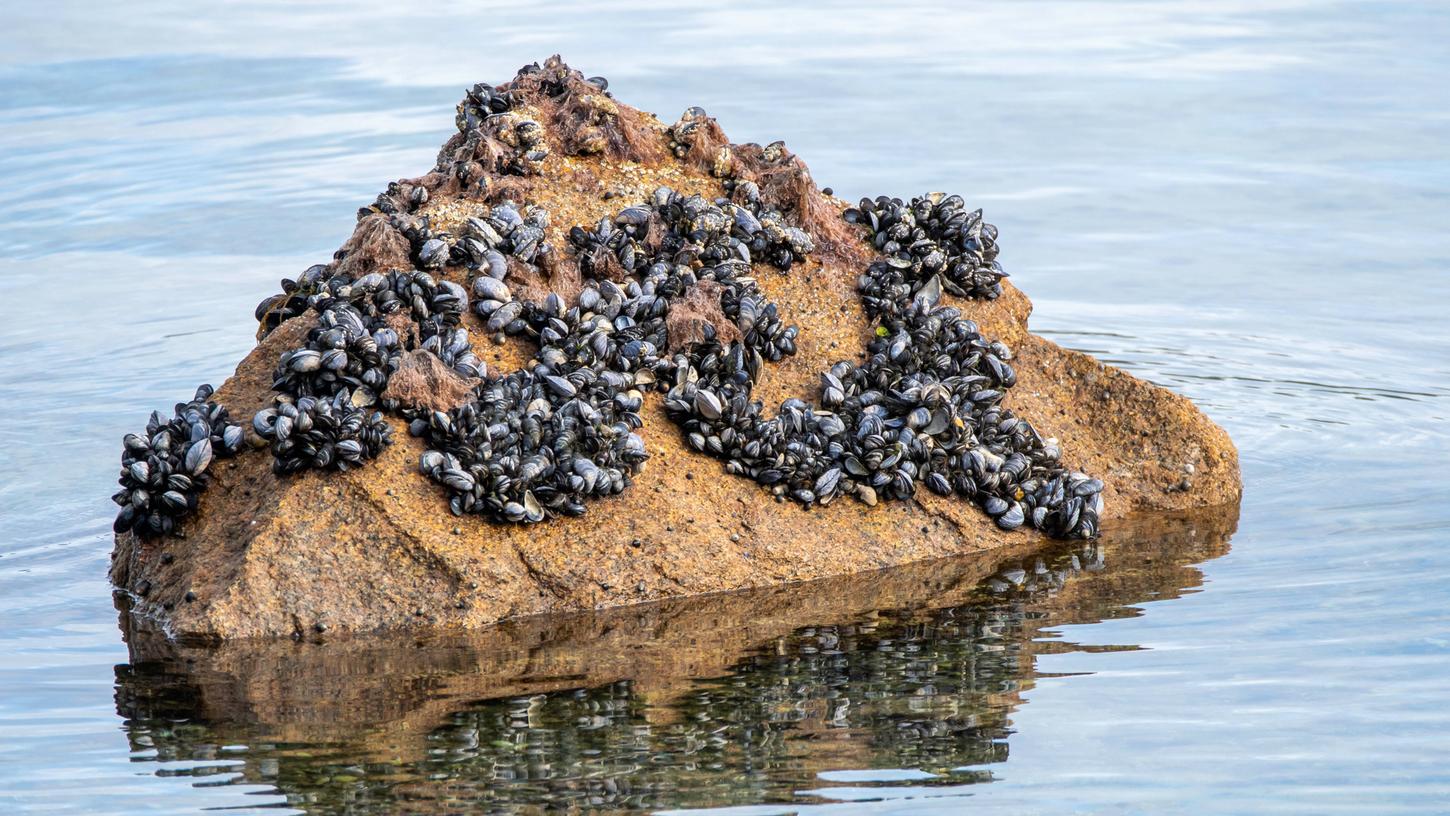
[[376, 548]]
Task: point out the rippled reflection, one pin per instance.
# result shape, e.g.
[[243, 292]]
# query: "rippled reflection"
[[700, 702]]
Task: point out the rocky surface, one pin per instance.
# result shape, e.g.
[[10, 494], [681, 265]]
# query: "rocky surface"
[[376, 548]]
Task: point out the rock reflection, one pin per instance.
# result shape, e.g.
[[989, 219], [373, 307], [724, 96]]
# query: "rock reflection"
[[728, 699]]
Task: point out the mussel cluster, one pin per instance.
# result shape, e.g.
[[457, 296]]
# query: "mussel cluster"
[[533, 445], [666, 301], [500, 139], [495, 140], [541, 441], [274, 310], [721, 237], [327, 433], [354, 350], [502, 231], [923, 408], [484, 249], [933, 236], [432, 304], [164, 471], [348, 358], [344, 350], [396, 199], [435, 306], [480, 102]]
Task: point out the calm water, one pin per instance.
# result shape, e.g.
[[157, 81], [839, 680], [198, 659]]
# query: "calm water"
[[1244, 201]]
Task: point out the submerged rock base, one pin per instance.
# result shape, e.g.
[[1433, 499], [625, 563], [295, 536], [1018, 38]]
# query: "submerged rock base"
[[374, 547]]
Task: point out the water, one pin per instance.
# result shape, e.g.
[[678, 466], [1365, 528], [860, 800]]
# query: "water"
[[1244, 202]]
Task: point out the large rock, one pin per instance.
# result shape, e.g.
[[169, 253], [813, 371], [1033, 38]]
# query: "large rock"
[[376, 547]]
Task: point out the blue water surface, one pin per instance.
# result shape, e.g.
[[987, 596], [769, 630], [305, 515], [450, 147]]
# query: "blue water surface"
[[1246, 202]]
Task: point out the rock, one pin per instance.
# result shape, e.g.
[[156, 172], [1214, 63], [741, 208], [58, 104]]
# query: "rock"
[[397, 692], [375, 547]]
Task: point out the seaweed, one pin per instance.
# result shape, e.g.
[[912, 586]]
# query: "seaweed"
[[583, 118]]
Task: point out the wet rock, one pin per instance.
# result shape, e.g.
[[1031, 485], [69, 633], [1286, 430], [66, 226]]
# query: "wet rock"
[[373, 547]]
